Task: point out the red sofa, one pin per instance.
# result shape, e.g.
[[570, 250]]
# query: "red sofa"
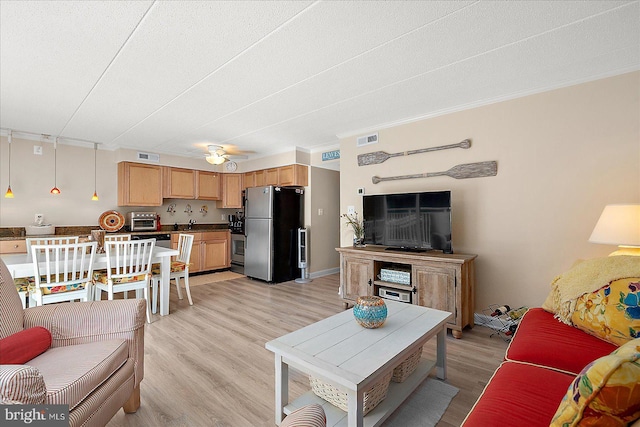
[[542, 360]]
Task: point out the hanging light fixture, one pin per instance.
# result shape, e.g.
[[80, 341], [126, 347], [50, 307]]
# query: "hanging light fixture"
[[55, 189], [9, 193], [95, 173]]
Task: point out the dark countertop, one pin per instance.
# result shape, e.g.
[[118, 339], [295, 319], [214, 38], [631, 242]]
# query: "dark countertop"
[[18, 233]]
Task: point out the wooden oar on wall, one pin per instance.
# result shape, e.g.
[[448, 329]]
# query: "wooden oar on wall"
[[467, 170], [380, 156]]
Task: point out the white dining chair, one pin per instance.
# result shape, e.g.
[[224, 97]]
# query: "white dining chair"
[[128, 269], [62, 272], [63, 240], [116, 237], [25, 285], [179, 270]]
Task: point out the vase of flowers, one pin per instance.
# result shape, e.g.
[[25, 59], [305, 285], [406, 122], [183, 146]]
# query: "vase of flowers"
[[358, 228]]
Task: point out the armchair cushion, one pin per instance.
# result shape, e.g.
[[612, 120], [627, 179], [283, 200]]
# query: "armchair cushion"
[[22, 385], [23, 346], [83, 322], [87, 367]]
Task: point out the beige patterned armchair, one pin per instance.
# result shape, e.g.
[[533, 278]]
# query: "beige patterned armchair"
[[95, 363]]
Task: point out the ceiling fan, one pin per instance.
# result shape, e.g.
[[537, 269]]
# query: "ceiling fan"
[[218, 155]]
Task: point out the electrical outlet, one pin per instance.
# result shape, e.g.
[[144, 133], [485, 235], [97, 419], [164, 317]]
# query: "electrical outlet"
[[38, 218], [351, 210], [320, 212], [360, 191], [222, 217]]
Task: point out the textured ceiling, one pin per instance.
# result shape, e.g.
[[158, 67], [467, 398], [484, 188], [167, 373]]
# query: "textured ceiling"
[[264, 77]]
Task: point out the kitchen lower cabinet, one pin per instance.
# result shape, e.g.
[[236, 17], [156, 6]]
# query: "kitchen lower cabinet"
[[13, 246], [215, 250], [436, 280], [211, 250], [139, 184]]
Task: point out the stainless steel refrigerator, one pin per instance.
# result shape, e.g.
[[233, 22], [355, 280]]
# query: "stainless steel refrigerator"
[[272, 218]]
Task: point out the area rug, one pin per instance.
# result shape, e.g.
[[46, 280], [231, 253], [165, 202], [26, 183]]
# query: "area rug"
[[206, 279], [424, 407]]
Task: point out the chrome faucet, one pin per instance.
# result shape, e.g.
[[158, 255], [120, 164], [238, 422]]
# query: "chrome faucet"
[[191, 222]]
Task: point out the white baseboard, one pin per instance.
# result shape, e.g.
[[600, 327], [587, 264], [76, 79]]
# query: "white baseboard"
[[321, 273]]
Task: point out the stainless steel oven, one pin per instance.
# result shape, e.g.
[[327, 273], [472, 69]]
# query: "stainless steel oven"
[[143, 221], [237, 252]]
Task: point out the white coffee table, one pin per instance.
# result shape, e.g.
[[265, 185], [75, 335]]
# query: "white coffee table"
[[341, 352]]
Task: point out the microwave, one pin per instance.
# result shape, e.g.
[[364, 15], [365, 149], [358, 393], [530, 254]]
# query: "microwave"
[[143, 221]]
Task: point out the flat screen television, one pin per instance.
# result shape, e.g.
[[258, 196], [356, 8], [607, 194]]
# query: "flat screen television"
[[409, 221]]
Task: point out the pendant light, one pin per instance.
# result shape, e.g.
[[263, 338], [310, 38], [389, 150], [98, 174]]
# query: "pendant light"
[[95, 173], [9, 193], [55, 189]]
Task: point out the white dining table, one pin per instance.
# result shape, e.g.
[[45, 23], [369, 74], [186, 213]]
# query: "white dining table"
[[20, 265]]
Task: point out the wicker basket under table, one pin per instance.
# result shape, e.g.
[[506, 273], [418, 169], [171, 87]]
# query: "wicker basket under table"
[[406, 368], [333, 395]]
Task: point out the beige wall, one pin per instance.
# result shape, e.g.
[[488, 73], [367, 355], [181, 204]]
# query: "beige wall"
[[324, 233], [32, 178], [562, 156]]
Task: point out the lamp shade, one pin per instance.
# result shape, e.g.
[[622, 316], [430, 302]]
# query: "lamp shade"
[[618, 225]]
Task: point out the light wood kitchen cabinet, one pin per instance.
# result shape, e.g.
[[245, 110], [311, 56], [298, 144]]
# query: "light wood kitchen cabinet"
[[259, 178], [13, 246], [271, 176], [249, 179], [179, 183], [441, 281], [208, 185], [290, 175], [215, 250], [139, 184], [210, 251], [231, 191]]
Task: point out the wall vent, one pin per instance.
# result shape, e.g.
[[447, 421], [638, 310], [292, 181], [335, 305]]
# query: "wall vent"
[[149, 157], [367, 139]]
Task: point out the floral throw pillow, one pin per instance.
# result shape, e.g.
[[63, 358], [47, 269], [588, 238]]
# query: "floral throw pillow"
[[606, 392], [611, 313]]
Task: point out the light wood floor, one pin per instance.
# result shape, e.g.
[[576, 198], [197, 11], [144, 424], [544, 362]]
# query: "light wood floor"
[[206, 364]]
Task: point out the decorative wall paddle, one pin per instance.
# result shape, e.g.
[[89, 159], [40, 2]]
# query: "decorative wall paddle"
[[467, 170], [380, 156]]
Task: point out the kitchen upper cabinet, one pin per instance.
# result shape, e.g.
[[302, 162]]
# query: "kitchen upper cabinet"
[[297, 175], [271, 176], [250, 179], [139, 184], [259, 178], [209, 185], [179, 183], [231, 190]]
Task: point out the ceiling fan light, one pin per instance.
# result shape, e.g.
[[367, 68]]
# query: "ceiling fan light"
[[215, 159]]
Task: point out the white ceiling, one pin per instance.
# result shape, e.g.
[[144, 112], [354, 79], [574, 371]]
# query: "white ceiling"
[[264, 77]]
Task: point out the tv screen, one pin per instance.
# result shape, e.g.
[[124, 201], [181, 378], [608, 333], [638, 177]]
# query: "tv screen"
[[410, 221]]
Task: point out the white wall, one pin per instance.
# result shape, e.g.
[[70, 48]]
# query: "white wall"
[[562, 156]]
